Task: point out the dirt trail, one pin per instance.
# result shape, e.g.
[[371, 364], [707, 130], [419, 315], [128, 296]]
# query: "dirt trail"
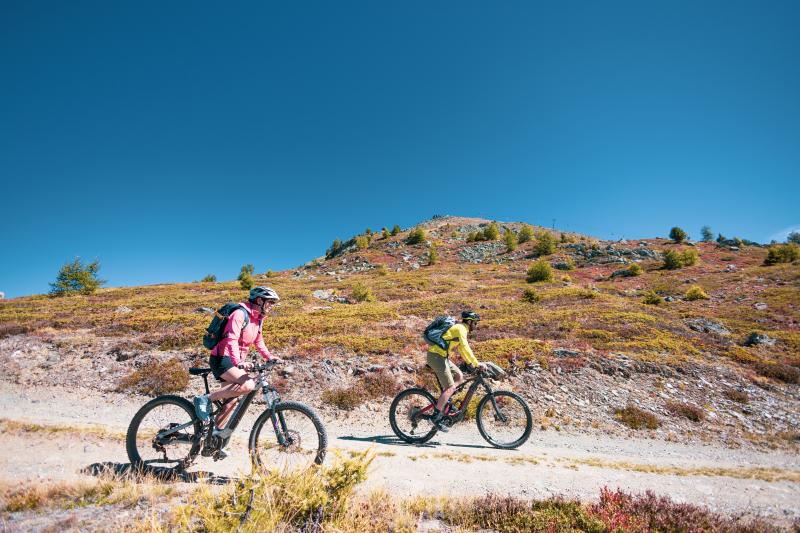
[[456, 463]]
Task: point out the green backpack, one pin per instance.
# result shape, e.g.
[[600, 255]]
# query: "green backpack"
[[216, 328]]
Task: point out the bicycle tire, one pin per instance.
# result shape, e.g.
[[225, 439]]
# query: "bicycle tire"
[[286, 407], [133, 429], [493, 441], [405, 437]]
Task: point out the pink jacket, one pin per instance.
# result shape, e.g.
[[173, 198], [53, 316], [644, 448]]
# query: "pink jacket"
[[236, 342]]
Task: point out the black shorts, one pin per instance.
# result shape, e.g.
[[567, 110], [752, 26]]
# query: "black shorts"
[[220, 365]]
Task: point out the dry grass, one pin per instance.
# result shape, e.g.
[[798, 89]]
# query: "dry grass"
[[636, 418], [18, 426], [686, 410], [156, 378], [367, 387]]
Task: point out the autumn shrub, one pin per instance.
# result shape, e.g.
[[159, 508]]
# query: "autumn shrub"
[[416, 236], [525, 234], [634, 270], [686, 410], [782, 253], [539, 271], [362, 242], [678, 235], [696, 292], [651, 298], [530, 296], [689, 257], [737, 396], [778, 371], [545, 244], [636, 418], [156, 377], [511, 240], [362, 293], [672, 260]]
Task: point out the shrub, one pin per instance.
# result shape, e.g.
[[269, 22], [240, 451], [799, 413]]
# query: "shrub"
[[567, 264], [707, 234], [382, 270], [384, 233], [721, 238], [335, 248], [270, 273], [687, 410], [672, 260], [696, 292], [539, 271], [678, 235], [635, 269], [737, 396], [362, 242], [346, 398], [367, 387], [362, 293], [781, 372], [76, 278], [651, 298], [416, 236], [793, 237], [545, 243], [246, 281], [510, 240], [689, 257], [491, 232], [782, 253], [525, 234], [433, 255], [156, 377], [395, 230], [530, 296], [211, 278], [636, 418]]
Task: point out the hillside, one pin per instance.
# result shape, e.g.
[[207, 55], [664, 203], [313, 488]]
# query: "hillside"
[[584, 346]]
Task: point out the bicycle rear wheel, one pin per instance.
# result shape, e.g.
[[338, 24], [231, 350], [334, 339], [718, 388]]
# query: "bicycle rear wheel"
[[164, 433], [410, 416], [505, 422], [297, 439]]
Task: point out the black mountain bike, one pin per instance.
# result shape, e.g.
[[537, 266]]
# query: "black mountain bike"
[[166, 432], [503, 417]]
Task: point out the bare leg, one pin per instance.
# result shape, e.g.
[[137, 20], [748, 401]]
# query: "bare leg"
[[459, 379]]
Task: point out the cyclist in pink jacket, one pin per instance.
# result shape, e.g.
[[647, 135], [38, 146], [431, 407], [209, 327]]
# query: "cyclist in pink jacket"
[[227, 358]]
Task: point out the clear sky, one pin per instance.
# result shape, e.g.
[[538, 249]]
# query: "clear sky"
[[177, 139]]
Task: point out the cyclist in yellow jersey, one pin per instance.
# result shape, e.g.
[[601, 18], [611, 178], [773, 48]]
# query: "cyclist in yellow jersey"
[[439, 360]]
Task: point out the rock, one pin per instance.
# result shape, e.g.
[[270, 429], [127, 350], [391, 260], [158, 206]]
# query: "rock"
[[704, 325], [562, 265], [122, 309], [669, 298], [758, 339], [761, 306], [730, 268], [326, 295], [287, 370], [206, 310], [563, 352]]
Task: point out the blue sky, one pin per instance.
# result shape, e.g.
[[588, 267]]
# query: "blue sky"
[[176, 139]]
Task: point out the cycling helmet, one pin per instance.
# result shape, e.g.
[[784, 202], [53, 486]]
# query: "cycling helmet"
[[264, 292], [468, 316]]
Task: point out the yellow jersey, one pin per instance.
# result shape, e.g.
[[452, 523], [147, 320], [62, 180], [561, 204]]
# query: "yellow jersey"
[[456, 336]]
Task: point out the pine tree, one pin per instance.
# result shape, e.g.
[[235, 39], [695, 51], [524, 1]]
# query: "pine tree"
[[707, 234], [511, 240], [76, 278]]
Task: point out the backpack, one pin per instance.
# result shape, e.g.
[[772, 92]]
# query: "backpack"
[[216, 328], [433, 333]]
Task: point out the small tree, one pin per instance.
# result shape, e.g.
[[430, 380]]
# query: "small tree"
[[362, 242], [721, 238], [433, 255], [362, 293], [395, 230], [491, 232], [707, 234], [211, 278], [336, 246], [545, 243], [416, 236], [540, 271], [510, 240], [793, 237], [678, 235], [782, 253], [525, 234], [249, 268], [76, 278], [384, 233], [246, 277], [270, 273], [368, 231]]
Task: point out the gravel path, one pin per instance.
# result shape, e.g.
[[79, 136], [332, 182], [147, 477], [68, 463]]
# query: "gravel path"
[[456, 463]]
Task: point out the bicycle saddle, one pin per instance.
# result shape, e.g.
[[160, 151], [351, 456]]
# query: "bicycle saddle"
[[196, 371]]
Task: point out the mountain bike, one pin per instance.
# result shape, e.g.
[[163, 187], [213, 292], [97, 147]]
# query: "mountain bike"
[[504, 419], [166, 431]]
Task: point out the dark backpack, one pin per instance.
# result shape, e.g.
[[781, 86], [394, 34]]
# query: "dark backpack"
[[433, 333], [216, 328]]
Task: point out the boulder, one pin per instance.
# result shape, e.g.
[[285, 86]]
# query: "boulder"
[[761, 306], [206, 310], [759, 339], [563, 352], [122, 309], [704, 325]]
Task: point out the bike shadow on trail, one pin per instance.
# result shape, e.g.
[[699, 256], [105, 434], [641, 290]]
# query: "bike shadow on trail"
[[391, 440], [148, 473]]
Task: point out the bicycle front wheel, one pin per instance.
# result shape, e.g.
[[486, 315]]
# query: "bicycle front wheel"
[[164, 433], [504, 419], [293, 438]]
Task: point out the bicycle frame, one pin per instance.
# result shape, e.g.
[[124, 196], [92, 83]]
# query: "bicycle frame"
[[459, 414]]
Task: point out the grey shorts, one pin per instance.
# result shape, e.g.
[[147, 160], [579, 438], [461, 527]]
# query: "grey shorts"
[[444, 369]]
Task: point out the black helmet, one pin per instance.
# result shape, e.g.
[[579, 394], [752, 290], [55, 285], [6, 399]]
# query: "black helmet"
[[264, 292], [467, 316]]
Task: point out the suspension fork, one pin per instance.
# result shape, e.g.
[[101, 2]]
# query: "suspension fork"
[[279, 425], [503, 418]]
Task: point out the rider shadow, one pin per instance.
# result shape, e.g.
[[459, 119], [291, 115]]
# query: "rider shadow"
[[148, 473], [391, 440]]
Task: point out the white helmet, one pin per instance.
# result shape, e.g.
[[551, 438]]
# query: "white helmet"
[[264, 292]]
